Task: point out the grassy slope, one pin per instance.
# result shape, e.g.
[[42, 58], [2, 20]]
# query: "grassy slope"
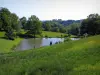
[[6, 45], [52, 34], [80, 57]]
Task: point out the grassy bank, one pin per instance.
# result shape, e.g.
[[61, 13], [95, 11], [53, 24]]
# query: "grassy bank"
[[7, 45], [80, 57], [52, 34]]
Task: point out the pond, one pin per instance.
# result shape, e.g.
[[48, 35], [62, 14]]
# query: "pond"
[[27, 44]]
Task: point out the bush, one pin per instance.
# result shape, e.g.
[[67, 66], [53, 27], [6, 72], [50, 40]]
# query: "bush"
[[67, 39], [66, 35], [10, 36], [46, 36]]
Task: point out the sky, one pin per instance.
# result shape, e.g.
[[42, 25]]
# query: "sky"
[[53, 9]]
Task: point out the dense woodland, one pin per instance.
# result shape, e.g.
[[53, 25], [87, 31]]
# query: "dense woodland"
[[12, 25]]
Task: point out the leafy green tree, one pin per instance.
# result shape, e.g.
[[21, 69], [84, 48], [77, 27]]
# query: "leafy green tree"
[[15, 22], [47, 26], [34, 25], [5, 16], [55, 29], [74, 28], [23, 22], [91, 25], [54, 25], [9, 22], [62, 29], [97, 27]]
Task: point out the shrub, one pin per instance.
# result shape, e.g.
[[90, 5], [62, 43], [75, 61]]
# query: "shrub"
[[67, 39]]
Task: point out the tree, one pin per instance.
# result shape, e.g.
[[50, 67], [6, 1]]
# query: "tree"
[[9, 33], [55, 29], [62, 29], [47, 26], [58, 25], [91, 25], [23, 22], [5, 17], [9, 22], [74, 28], [15, 22], [34, 25], [97, 27], [0, 24]]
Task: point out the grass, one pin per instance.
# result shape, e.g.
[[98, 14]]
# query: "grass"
[[2, 34], [7, 45], [52, 34], [80, 57]]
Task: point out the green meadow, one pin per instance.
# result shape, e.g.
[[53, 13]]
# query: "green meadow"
[[52, 34], [80, 57]]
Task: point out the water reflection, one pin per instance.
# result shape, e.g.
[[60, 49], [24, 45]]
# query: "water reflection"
[[26, 44]]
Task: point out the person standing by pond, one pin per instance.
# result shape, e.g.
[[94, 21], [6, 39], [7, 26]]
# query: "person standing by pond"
[[50, 43]]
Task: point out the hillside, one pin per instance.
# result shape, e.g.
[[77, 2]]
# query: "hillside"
[[80, 57], [63, 22]]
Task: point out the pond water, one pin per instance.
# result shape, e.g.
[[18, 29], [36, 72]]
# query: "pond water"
[[26, 44]]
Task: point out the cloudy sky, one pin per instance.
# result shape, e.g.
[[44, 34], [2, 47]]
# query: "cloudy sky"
[[53, 9]]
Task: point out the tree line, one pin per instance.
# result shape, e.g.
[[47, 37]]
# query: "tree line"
[[12, 24]]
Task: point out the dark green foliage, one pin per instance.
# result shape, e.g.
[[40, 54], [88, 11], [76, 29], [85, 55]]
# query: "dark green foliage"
[[34, 25], [54, 26], [73, 29], [46, 36], [15, 22], [0, 24], [67, 39], [9, 33], [91, 25], [5, 16], [60, 25], [47, 26], [9, 22], [23, 21]]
